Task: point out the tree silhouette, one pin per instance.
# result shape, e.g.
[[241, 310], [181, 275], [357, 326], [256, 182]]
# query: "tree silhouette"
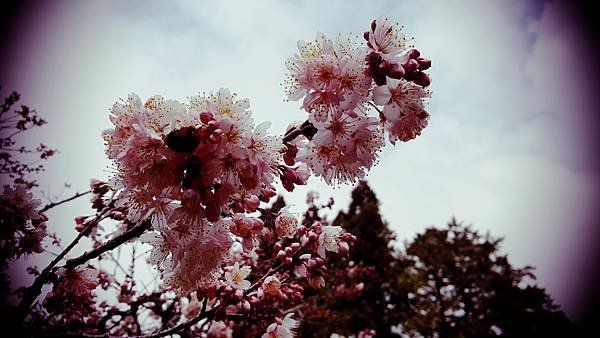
[[368, 294], [461, 286], [449, 282]]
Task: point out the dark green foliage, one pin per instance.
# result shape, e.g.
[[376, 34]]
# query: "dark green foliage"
[[380, 302], [449, 282], [461, 286]]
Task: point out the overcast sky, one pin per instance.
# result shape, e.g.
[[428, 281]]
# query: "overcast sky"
[[508, 148]]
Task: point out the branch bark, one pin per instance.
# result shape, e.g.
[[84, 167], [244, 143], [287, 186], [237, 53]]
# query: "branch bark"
[[134, 232], [32, 292], [52, 205]]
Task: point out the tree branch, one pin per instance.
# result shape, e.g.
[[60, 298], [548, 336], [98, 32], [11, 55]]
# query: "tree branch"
[[32, 292], [134, 232], [52, 205]]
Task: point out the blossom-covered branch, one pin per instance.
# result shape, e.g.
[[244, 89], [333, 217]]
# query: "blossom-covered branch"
[[192, 181]]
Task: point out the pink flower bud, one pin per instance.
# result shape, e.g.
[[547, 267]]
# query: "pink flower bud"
[[80, 220], [281, 254], [257, 224], [343, 247], [396, 71], [424, 63], [304, 240], [411, 66], [288, 260], [287, 184], [206, 116], [421, 79], [266, 194], [413, 53], [295, 246], [277, 246]]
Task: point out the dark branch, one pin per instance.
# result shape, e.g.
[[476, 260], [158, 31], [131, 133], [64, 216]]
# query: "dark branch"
[[52, 205]]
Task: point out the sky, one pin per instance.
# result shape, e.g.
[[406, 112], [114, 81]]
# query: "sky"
[[509, 148]]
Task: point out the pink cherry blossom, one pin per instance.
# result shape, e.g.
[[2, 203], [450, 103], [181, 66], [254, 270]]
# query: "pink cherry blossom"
[[79, 281], [286, 223], [403, 110], [282, 328], [386, 38], [237, 275], [328, 239]]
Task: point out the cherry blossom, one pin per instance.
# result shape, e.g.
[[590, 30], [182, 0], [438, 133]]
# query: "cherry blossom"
[[286, 223], [404, 111], [236, 277], [282, 328], [328, 239], [339, 81]]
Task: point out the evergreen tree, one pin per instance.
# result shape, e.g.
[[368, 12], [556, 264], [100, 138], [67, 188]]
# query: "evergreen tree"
[[449, 282], [461, 286], [366, 295]]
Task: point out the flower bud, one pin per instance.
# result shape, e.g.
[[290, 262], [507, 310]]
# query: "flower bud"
[[421, 79], [80, 220], [118, 216], [424, 63], [288, 260], [251, 203], [343, 247], [304, 240], [396, 71], [411, 66], [206, 116], [413, 53]]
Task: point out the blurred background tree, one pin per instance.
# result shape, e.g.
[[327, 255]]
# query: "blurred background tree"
[[448, 282]]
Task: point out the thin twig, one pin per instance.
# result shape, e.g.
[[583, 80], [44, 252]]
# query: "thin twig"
[[134, 232], [32, 292], [52, 205]]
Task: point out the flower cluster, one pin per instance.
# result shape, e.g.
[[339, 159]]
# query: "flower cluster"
[[22, 227], [258, 291], [193, 170], [189, 180], [339, 81]]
